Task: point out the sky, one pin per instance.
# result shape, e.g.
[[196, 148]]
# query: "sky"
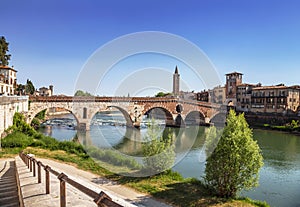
[[52, 41]]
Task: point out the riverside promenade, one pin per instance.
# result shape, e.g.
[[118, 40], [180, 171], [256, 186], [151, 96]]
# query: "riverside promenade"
[[34, 195]]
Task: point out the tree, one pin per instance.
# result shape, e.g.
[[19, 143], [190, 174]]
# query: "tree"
[[20, 89], [158, 150], [235, 162], [162, 94], [4, 57], [212, 137], [29, 87], [81, 93]]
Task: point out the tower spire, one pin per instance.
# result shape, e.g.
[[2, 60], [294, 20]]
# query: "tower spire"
[[176, 70]]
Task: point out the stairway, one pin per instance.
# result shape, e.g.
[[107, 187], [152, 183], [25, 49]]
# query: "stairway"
[[8, 184]]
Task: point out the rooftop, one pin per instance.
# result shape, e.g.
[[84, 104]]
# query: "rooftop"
[[273, 87], [7, 68], [234, 73]]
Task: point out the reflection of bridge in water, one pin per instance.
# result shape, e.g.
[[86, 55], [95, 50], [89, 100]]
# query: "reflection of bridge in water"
[[178, 112], [131, 143]]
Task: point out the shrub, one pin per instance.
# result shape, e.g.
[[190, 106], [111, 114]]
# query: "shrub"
[[16, 139]]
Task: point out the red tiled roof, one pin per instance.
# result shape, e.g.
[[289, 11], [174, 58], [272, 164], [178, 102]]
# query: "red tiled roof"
[[7, 67], [270, 87], [234, 73]]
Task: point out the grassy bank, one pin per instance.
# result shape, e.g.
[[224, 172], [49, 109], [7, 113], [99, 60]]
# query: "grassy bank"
[[284, 128], [168, 186]]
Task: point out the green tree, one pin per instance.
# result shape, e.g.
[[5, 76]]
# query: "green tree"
[[82, 93], [158, 150], [235, 162], [162, 94], [212, 137], [29, 87], [4, 57], [20, 89]]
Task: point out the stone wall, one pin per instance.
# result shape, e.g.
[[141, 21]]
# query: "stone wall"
[[8, 106]]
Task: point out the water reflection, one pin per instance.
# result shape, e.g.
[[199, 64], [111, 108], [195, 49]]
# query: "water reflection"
[[279, 177]]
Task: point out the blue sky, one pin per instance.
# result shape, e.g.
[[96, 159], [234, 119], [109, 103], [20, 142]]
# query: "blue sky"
[[51, 40]]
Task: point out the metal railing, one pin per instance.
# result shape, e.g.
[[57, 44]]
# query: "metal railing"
[[101, 199]]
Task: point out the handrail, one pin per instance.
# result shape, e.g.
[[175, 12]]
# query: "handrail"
[[21, 203], [101, 199]]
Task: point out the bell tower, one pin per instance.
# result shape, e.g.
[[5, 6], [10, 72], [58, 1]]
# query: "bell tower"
[[176, 80]]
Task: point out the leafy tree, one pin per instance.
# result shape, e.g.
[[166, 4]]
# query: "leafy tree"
[[29, 87], [35, 123], [4, 57], [20, 89], [20, 125], [158, 151], [82, 93], [235, 162], [212, 137], [41, 115], [162, 94]]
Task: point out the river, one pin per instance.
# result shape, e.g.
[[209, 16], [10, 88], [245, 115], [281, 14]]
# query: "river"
[[279, 182]]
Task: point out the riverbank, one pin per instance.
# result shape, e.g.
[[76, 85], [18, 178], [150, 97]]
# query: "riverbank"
[[169, 187], [285, 129]]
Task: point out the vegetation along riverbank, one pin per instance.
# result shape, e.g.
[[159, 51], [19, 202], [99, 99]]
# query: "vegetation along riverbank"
[[168, 186]]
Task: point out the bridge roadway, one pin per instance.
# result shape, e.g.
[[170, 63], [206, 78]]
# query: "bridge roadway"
[[177, 111]]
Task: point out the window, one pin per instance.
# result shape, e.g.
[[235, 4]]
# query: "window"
[[84, 113]]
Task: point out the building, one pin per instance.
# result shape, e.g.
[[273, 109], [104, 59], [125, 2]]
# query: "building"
[[188, 95], [217, 95], [44, 91], [275, 99], [8, 80], [203, 96], [243, 96], [176, 80], [232, 81]]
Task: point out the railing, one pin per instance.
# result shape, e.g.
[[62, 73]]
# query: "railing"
[[75, 99], [101, 199]]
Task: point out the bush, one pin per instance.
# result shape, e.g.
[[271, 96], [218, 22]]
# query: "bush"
[[16, 139]]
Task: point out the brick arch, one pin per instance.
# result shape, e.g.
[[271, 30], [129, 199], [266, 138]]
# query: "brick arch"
[[170, 107], [169, 116], [126, 115], [218, 118], [194, 117], [193, 109], [43, 107]]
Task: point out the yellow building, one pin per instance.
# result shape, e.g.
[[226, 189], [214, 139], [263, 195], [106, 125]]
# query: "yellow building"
[[8, 80], [275, 99]]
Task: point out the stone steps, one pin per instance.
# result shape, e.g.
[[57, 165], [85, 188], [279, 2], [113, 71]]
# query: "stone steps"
[[8, 184]]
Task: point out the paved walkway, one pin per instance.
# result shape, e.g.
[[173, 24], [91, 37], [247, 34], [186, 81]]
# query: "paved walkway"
[[34, 193], [8, 184]]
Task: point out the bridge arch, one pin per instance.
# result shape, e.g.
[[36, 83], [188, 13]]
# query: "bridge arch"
[[195, 118], [168, 115], [45, 107], [129, 122]]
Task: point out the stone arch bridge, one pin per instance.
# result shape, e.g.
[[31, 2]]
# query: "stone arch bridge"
[[177, 111]]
